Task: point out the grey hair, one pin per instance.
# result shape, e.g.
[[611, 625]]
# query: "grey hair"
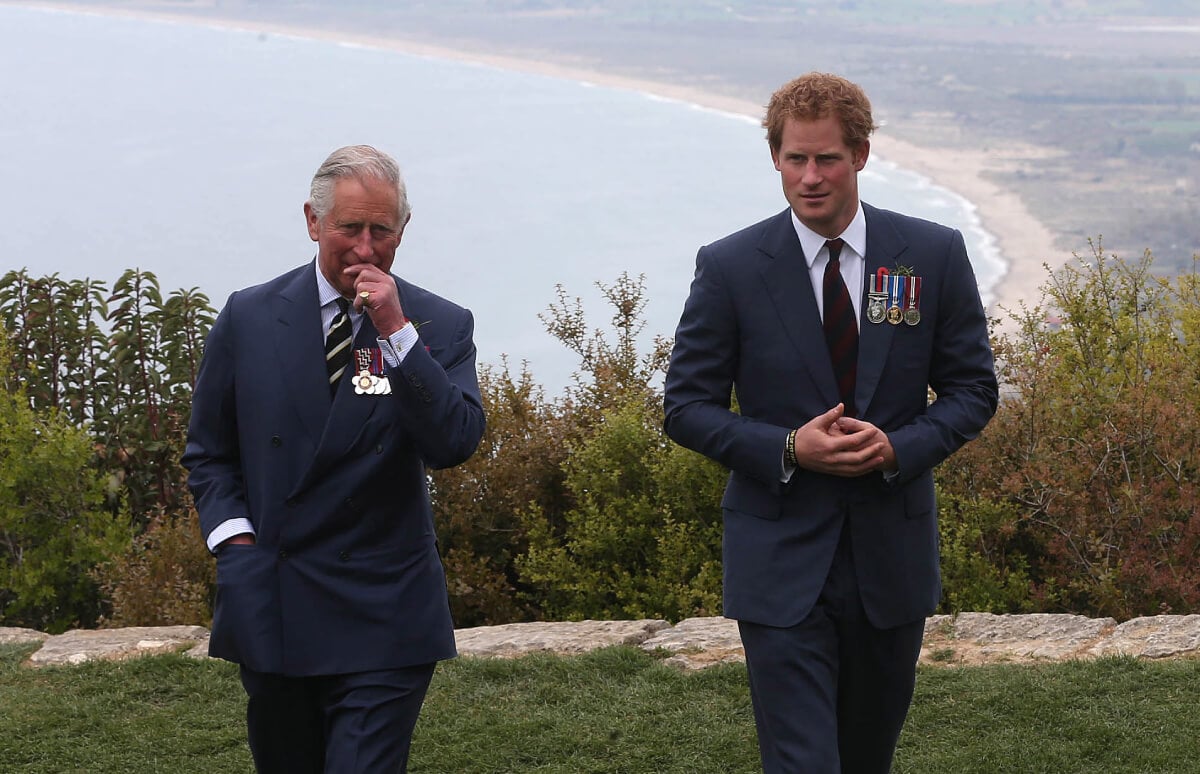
[[361, 162]]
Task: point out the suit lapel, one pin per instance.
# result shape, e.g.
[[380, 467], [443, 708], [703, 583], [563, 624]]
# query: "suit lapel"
[[790, 288], [299, 344], [884, 248]]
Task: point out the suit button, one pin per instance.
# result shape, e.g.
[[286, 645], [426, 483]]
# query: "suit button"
[[276, 441], [349, 502], [283, 554], [379, 448], [343, 556]]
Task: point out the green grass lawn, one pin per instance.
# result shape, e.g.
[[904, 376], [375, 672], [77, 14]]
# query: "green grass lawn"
[[616, 710]]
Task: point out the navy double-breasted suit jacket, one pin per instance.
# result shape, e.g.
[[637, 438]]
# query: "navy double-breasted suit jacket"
[[751, 325], [345, 575]]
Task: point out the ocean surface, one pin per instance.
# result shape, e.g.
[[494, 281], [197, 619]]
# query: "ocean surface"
[[187, 151]]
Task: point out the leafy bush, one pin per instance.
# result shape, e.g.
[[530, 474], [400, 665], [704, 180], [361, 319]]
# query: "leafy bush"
[[53, 525], [1079, 496], [518, 463], [164, 576], [116, 369], [642, 534], [629, 549], [981, 571], [1096, 446], [121, 365]]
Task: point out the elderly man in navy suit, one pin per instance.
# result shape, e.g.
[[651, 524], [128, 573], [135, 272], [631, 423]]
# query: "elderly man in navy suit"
[[324, 396], [830, 322]]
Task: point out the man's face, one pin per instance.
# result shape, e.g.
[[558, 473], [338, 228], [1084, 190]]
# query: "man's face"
[[820, 173], [362, 226]]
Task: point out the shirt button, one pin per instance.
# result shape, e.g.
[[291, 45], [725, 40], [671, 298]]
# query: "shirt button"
[[276, 441]]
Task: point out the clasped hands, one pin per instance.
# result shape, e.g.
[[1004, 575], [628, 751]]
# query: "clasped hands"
[[843, 446]]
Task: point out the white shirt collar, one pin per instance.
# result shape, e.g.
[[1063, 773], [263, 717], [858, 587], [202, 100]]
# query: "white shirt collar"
[[855, 236], [326, 292]]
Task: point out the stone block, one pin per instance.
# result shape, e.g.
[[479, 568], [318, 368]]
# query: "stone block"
[[78, 645], [565, 637]]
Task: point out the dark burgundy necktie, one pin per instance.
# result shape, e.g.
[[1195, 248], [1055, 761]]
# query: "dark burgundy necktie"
[[841, 329]]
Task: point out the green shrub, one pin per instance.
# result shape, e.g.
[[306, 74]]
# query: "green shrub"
[[980, 570], [53, 526], [477, 504], [631, 547], [164, 576], [1095, 449]]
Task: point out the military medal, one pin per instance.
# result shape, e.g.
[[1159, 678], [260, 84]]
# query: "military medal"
[[370, 378], [877, 298], [894, 313], [912, 310]]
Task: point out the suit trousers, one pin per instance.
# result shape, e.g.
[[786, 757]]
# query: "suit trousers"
[[358, 723], [830, 694]]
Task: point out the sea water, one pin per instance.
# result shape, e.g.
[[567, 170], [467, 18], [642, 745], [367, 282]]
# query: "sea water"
[[187, 150]]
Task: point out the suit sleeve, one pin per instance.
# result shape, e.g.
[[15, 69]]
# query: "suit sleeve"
[[697, 394], [438, 395], [212, 455], [961, 373]]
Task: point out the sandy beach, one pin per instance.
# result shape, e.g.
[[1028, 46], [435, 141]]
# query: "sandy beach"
[[1024, 242]]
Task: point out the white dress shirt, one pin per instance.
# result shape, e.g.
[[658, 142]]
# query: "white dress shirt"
[[852, 259], [853, 265]]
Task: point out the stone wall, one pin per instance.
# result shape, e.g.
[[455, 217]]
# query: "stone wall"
[[694, 643]]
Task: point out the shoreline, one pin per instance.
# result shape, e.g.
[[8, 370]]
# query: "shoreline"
[[1025, 244]]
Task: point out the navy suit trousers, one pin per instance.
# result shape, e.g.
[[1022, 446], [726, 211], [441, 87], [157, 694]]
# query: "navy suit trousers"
[[359, 723], [830, 694]]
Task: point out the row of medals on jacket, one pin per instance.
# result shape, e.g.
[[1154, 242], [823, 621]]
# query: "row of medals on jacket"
[[366, 382], [895, 298]]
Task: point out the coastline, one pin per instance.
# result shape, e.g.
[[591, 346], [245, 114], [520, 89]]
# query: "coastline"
[[1024, 242]]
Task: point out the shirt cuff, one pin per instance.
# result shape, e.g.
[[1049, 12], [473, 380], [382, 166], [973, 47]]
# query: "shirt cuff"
[[396, 347], [228, 529], [787, 469]]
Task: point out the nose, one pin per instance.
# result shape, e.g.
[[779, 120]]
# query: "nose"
[[812, 174], [362, 244]]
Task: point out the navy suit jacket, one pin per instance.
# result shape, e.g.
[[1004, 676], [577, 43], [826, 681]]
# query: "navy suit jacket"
[[345, 576], [751, 327]]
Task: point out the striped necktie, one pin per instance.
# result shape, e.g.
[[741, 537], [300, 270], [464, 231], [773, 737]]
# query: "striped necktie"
[[338, 345], [841, 329]]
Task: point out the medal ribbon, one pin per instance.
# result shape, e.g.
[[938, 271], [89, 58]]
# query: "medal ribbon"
[[914, 293], [369, 359], [897, 290]]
